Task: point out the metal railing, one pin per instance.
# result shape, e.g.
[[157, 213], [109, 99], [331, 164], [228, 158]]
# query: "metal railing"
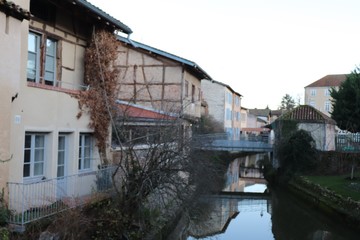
[[32, 201], [347, 142]]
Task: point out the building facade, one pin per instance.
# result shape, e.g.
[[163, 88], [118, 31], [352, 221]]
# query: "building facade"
[[161, 81], [317, 94], [41, 70], [224, 105]]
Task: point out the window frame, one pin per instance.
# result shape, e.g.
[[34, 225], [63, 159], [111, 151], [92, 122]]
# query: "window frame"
[[327, 106], [82, 159], [313, 92], [32, 155], [42, 67]]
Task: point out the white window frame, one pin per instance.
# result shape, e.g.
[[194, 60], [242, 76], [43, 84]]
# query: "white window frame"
[[43, 71], [327, 106], [313, 92], [64, 152], [84, 163], [327, 92], [34, 160]]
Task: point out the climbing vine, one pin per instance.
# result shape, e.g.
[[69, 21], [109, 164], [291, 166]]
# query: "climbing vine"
[[101, 77]]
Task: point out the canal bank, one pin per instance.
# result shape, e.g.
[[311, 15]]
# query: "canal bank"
[[334, 205]]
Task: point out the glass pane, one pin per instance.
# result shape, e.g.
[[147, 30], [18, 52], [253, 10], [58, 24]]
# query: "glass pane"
[[26, 170], [39, 141], [61, 143], [38, 169], [80, 166], [39, 155], [27, 154], [50, 63], [50, 47], [49, 76], [32, 42], [61, 158], [86, 163], [87, 152], [87, 140], [60, 171], [27, 141]]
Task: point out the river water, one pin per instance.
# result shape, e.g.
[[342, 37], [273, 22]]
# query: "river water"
[[280, 217], [275, 216]]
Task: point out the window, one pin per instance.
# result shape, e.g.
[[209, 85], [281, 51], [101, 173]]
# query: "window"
[[61, 162], [327, 106], [186, 88], [228, 114], [34, 155], [313, 92], [312, 103], [85, 149], [193, 93], [36, 71], [327, 92]]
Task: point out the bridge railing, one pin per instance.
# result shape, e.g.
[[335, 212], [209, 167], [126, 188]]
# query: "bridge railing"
[[222, 142]]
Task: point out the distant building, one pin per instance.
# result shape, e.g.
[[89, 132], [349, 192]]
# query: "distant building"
[[224, 105], [320, 126], [317, 94]]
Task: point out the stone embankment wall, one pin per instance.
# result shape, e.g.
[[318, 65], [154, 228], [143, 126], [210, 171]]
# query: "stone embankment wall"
[[331, 203]]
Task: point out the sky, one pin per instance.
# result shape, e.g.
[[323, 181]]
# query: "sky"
[[263, 49]]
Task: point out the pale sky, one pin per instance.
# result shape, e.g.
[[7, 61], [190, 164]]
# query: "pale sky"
[[263, 49]]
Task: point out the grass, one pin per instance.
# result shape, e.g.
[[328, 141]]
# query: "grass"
[[340, 184]]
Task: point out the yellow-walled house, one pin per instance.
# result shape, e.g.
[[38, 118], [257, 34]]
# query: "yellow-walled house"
[[47, 153]]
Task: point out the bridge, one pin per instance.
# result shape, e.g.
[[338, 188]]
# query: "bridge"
[[221, 142]]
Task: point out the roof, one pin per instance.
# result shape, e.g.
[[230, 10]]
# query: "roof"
[[141, 112], [333, 80], [306, 113], [192, 65], [14, 10], [278, 112], [225, 85], [260, 112], [103, 15]]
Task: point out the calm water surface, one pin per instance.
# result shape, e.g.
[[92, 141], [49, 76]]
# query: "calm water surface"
[[280, 216]]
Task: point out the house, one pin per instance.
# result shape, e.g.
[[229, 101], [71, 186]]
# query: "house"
[[43, 145], [320, 126], [160, 80], [224, 105], [317, 94], [253, 128]]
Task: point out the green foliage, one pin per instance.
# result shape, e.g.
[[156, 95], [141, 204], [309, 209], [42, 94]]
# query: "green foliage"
[[296, 154], [346, 103], [287, 102], [4, 212], [4, 233]]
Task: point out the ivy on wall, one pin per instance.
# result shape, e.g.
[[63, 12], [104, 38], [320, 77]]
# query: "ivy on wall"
[[101, 77]]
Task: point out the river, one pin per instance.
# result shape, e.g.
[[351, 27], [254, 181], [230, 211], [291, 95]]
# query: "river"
[[277, 215]]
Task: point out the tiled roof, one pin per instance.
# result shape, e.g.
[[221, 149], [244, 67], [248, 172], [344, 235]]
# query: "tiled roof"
[[260, 112], [14, 10], [333, 80], [141, 112], [225, 85], [103, 15], [192, 65], [306, 113]]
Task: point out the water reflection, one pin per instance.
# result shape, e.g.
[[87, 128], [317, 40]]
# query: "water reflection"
[[281, 217], [246, 210]]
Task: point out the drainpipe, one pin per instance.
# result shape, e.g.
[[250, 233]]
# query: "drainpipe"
[[131, 42]]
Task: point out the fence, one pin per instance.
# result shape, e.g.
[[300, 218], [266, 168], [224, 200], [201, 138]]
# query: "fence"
[[348, 142], [32, 201]]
